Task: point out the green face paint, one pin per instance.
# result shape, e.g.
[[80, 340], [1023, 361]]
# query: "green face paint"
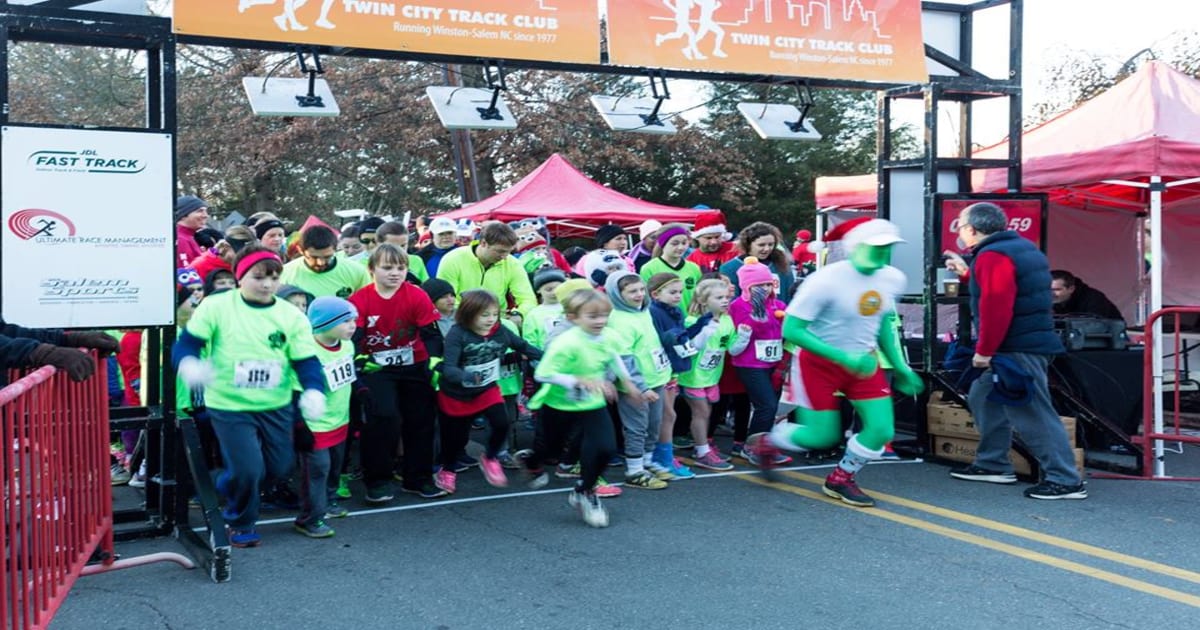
[[868, 259]]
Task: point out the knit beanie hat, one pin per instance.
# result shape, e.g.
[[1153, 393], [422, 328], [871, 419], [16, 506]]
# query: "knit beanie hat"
[[286, 291], [530, 243], [565, 289], [607, 233], [546, 276], [660, 280], [648, 227], [327, 311], [262, 227], [753, 272], [188, 204], [437, 288]]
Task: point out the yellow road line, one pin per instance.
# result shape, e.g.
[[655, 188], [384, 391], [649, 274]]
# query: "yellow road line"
[[1034, 556], [1021, 532]]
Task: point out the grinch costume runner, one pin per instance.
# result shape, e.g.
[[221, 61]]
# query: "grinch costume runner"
[[840, 316]]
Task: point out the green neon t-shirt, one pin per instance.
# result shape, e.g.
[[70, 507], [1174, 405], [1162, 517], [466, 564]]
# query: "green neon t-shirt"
[[252, 349], [342, 281], [708, 363], [634, 334], [577, 354], [338, 366], [541, 321], [688, 271]]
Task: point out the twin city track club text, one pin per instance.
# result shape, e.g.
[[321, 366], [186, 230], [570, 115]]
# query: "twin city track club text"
[[456, 16]]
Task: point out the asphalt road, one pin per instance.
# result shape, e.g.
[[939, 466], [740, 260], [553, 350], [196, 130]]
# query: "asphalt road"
[[722, 551]]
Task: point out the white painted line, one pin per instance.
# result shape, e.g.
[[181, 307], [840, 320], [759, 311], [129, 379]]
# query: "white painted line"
[[434, 503]]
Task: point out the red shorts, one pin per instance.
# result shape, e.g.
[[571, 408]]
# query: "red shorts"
[[814, 381]]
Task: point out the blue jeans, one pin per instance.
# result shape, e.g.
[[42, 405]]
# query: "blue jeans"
[[256, 446], [1038, 423], [763, 397]]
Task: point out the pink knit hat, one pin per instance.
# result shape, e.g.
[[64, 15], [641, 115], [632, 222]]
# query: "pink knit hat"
[[753, 272]]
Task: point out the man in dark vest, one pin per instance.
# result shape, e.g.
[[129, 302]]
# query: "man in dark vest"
[[1009, 280]]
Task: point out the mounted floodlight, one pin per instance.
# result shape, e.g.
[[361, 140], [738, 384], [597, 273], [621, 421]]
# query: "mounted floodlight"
[[277, 96], [622, 113], [781, 121], [474, 108]]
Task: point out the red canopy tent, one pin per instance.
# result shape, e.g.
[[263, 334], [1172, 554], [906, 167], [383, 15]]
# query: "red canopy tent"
[[1094, 161], [572, 204]]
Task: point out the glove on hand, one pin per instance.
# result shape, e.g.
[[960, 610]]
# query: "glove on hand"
[[312, 404], [78, 365], [196, 373], [303, 438], [98, 340]]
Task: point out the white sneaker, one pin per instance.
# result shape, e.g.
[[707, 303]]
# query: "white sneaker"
[[589, 507], [139, 480]]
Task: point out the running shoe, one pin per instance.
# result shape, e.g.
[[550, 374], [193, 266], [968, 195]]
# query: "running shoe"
[[841, 485], [244, 537], [315, 529], [589, 506], [493, 472], [446, 480], [606, 490], [712, 461], [1049, 490], [644, 479], [975, 473]]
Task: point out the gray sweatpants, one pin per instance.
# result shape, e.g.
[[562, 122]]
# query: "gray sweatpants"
[[1038, 423], [640, 424]]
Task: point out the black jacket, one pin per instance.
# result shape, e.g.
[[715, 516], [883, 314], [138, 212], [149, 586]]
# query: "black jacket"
[[1088, 300], [16, 343]]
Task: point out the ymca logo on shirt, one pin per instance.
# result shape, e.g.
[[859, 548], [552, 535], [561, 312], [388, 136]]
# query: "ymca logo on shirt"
[[870, 303], [345, 292], [372, 320]]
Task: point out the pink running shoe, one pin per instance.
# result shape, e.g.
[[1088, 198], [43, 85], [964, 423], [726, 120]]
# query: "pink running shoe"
[[606, 490], [493, 471], [446, 480]]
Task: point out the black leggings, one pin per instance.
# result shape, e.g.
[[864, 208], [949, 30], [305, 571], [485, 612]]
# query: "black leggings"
[[597, 446], [456, 431]]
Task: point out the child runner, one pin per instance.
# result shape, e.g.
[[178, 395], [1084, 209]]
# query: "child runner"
[[672, 244], [253, 341], [321, 442], [632, 334], [397, 333], [666, 291], [470, 369], [758, 310], [700, 382], [546, 317], [575, 386]]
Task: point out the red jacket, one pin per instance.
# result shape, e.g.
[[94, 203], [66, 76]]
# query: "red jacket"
[[712, 262]]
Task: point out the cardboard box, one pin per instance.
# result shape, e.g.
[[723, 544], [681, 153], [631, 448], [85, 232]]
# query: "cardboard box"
[[959, 449], [949, 419]]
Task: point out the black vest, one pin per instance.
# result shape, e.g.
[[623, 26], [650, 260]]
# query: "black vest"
[[1032, 327]]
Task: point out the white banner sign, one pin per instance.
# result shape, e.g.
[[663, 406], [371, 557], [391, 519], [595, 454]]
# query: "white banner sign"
[[88, 233]]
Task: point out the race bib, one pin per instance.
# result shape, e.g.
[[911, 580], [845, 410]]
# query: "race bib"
[[482, 375], [578, 394], [399, 356], [509, 370], [661, 361], [768, 350], [711, 359], [685, 350], [258, 374], [340, 373]]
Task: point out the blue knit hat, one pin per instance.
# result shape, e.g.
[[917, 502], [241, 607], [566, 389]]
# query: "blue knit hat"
[[327, 311]]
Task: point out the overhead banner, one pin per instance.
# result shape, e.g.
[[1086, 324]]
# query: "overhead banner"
[[863, 40], [544, 30], [88, 231]]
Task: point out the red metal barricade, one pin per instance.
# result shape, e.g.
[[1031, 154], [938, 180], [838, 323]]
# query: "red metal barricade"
[[1175, 381], [57, 495]]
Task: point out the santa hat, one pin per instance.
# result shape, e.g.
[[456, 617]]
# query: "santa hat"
[[833, 239], [711, 223]]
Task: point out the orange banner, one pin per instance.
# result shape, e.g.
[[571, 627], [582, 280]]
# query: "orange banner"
[[548, 30], [862, 40]]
